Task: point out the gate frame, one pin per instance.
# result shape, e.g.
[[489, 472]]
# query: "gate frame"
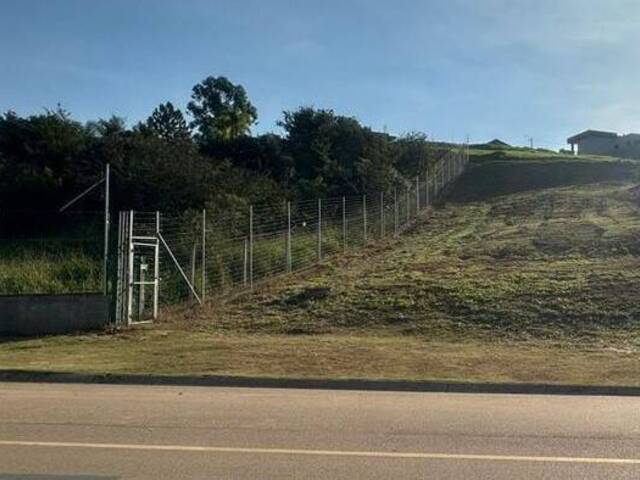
[[127, 245]]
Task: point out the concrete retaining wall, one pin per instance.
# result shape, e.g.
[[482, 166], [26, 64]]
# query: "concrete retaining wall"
[[48, 314]]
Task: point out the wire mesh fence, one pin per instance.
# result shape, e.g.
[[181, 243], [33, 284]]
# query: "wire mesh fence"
[[147, 259], [203, 255]]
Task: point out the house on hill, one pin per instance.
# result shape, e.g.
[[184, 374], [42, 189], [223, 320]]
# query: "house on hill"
[[493, 144], [498, 143], [597, 142]]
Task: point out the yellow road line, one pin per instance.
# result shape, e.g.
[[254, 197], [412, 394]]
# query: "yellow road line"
[[338, 453]]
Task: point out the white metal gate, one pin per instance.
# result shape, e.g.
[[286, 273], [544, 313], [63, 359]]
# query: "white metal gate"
[[138, 268], [136, 252]]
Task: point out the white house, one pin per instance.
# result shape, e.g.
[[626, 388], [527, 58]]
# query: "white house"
[[597, 142]]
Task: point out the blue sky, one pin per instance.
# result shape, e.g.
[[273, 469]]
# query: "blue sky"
[[449, 68]]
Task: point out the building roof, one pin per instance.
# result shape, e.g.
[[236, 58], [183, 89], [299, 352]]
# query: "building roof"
[[591, 133], [498, 143]]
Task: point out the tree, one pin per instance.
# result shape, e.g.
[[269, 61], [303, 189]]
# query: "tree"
[[107, 127], [220, 110], [108, 141], [336, 155], [308, 144], [168, 123], [414, 154], [376, 168], [38, 158]]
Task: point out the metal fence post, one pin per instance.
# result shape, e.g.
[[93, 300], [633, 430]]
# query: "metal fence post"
[[381, 215], [288, 246], [203, 275], [417, 195], [395, 210], [426, 188], [426, 194], [156, 269], [319, 230], [364, 217], [130, 270], [408, 201], [447, 169], [223, 281], [141, 293], [245, 256], [344, 225], [251, 246], [118, 312], [451, 171], [194, 249], [107, 225], [434, 183]]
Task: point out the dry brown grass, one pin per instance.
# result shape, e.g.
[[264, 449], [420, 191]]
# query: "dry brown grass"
[[327, 356]]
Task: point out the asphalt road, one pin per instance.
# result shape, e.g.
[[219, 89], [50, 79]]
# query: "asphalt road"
[[51, 431]]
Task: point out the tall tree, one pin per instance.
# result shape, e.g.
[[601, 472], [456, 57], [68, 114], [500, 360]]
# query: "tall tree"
[[168, 123], [38, 157], [221, 110], [108, 140]]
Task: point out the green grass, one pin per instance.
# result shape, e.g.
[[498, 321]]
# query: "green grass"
[[560, 263], [161, 351], [49, 267], [530, 272], [512, 171]]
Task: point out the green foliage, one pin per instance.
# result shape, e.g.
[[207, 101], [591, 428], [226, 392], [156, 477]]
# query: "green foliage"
[[221, 110], [47, 159], [167, 123], [332, 154], [54, 266], [414, 153], [38, 157]]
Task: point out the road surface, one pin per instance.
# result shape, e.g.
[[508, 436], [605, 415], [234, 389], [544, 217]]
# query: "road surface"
[[54, 431]]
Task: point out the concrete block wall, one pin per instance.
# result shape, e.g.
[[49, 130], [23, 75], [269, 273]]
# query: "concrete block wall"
[[30, 315]]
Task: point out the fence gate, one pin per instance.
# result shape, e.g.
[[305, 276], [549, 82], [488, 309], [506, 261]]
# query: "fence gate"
[[138, 273], [140, 240]]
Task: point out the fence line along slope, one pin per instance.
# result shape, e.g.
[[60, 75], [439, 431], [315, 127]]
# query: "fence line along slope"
[[202, 254], [536, 284]]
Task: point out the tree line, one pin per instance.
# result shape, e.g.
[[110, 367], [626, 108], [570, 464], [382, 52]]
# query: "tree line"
[[204, 157]]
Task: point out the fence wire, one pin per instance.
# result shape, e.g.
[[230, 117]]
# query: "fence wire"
[[204, 255]]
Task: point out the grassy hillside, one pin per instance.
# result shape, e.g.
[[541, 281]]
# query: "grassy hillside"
[[502, 172], [553, 263], [531, 272]]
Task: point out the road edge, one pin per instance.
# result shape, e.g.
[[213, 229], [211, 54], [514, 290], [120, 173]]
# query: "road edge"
[[23, 376]]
